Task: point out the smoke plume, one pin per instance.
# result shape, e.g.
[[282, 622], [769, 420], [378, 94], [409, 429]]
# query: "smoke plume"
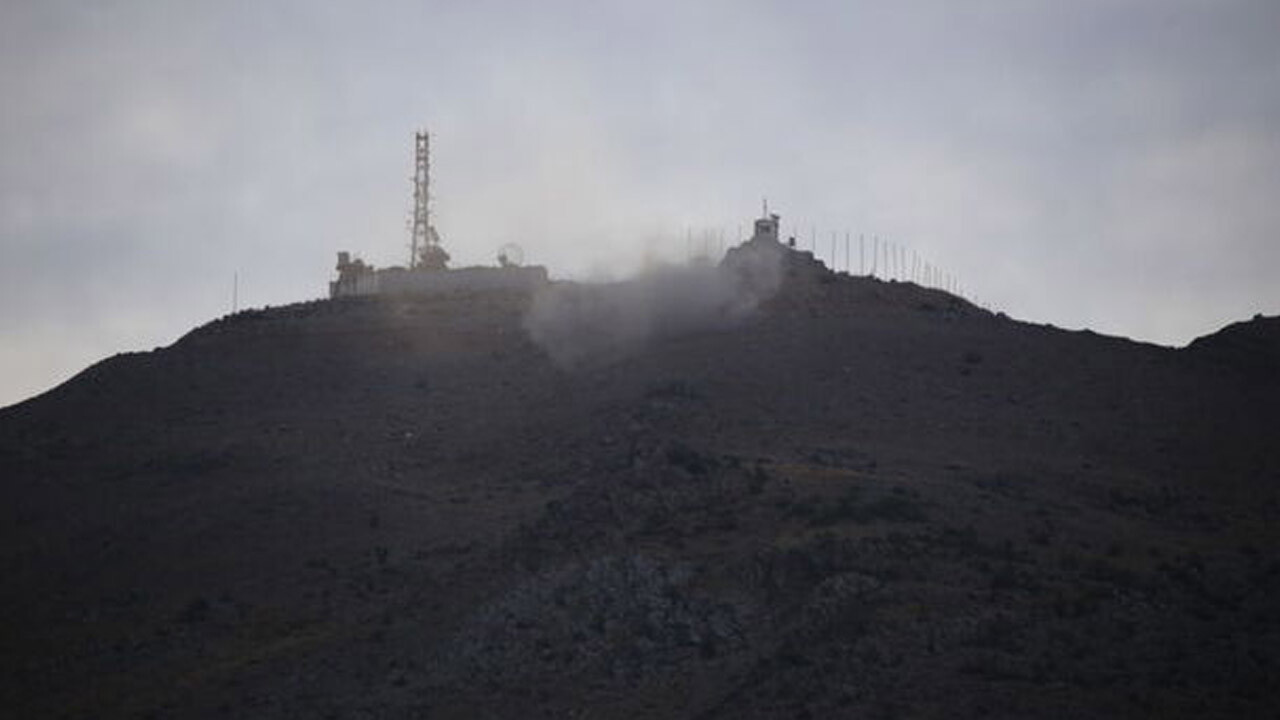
[[578, 322]]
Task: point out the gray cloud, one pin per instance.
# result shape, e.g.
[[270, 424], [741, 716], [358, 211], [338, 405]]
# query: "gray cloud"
[[1103, 164]]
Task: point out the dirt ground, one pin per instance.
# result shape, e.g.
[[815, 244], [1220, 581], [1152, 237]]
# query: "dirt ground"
[[865, 499]]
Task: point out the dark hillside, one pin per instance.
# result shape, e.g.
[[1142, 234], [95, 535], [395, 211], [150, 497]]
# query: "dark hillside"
[[867, 499]]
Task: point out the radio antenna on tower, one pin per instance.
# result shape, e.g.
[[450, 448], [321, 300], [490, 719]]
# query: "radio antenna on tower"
[[424, 247]]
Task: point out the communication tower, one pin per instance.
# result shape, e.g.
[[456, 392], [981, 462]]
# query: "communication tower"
[[425, 251]]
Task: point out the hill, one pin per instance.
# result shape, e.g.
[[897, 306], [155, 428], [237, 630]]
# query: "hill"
[[830, 497]]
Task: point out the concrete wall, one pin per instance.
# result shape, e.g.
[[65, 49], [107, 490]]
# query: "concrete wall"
[[356, 284], [398, 281]]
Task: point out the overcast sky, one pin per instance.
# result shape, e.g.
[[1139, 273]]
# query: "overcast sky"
[[1112, 165]]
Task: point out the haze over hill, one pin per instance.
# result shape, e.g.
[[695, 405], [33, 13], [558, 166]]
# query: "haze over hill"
[[803, 494]]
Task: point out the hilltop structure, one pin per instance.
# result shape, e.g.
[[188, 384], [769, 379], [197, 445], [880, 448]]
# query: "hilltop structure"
[[766, 227], [356, 278], [428, 272]]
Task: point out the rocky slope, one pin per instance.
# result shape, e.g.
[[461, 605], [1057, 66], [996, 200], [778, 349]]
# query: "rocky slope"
[[858, 499]]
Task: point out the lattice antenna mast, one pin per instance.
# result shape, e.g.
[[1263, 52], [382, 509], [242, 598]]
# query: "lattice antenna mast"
[[422, 235]]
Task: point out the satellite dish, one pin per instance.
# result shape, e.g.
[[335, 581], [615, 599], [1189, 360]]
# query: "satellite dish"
[[510, 255]]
